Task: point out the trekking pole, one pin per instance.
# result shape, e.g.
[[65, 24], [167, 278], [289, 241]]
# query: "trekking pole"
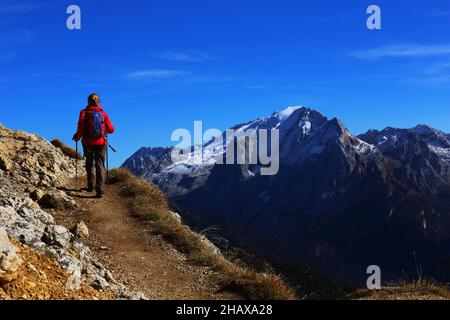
[[107, 165], [107, 160], [76, 168], [111, 147], [108, 146]]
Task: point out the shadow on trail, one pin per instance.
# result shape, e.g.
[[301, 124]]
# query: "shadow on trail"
[[69, 189], [81, 196]]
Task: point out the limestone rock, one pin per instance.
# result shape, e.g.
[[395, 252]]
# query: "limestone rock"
[[5, 164], [100, 283], [133, 295], [58, 236], [10, 259], [37, 194], [211, 246], [176, 215], [81, 230], [56, 199]]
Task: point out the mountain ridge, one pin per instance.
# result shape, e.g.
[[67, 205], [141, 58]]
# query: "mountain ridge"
[[332, 186]]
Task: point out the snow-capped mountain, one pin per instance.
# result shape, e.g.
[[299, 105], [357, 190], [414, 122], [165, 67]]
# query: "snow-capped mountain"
[[338, 202], [421, 155], [148, 161], [304, 134], [437, 141]]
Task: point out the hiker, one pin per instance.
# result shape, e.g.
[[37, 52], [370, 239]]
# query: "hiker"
[[93, 127]]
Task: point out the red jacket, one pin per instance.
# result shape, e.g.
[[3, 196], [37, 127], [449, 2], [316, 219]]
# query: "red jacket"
[[82, 123]]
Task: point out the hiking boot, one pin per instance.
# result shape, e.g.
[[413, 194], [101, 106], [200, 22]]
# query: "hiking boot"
[[99, 194], [88, 189]]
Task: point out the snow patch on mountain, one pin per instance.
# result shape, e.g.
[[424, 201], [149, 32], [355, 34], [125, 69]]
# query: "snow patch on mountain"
[[364, 147], [286, 113], [437, 141], [443, 153]]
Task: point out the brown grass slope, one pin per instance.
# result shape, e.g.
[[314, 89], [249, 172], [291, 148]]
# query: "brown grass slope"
[[68, 151], [150, 204], [421, 289]]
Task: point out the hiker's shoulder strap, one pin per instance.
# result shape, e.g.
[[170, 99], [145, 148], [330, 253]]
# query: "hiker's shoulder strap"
[[87, 115]]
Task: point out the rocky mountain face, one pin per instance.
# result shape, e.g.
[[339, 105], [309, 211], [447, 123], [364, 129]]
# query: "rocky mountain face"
[[420, 155], [32, 173], [148, 161], [339, 202]]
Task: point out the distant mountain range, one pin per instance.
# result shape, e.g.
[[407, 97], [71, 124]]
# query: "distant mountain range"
[[338, 203]]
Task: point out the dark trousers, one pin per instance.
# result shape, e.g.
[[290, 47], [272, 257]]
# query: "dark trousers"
[[95, 160]]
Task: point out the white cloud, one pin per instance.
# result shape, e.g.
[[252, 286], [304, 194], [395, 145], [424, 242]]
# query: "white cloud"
[[184, 56], [398, 51], [155, 74]]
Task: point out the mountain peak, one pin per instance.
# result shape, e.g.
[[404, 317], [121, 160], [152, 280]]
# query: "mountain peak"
[[291, 110], [425, 129], [307, 119], [287, 112]]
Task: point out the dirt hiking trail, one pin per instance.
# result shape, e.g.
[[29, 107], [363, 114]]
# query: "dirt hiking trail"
[[137, 258]]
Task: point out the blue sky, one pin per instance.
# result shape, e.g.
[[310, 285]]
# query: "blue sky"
[[160, 65]]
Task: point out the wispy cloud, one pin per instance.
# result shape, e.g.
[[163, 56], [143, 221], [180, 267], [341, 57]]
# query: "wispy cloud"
[[398, 51], [256, 87], [437, 74], [184, 56], [17, 38], [155, 74], [440, 81], [10, 7], [439, 68]]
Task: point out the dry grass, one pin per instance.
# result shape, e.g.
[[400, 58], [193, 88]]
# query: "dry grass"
[[256, 286], [421, 289], [68, 151], [119, 176], [149, 203], [426, 286]]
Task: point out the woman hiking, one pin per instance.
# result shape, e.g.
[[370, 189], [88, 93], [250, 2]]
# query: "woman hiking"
[[93, 127]]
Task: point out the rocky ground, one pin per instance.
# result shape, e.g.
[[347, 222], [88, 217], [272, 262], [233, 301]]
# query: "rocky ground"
[[56, 243], [32, 172], [26, 274]]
